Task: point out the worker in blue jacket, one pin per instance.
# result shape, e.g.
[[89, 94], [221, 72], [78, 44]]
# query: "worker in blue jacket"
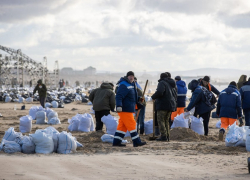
[[126, 102], [245, 96], [229, 107], [199, 101]]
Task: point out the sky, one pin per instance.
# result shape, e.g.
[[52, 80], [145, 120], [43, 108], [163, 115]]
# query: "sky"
[[123, 35]]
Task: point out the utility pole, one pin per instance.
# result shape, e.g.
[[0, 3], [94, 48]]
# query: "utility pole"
[[44, 69]]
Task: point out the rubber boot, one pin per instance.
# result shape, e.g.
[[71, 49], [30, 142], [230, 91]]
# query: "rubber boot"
[[118, 139], [161, 138], [221, 134], [137, 142], [141, 131], [157, 131]]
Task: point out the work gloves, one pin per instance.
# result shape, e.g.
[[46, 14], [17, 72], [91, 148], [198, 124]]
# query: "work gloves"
[[241, 122], [119, 109]]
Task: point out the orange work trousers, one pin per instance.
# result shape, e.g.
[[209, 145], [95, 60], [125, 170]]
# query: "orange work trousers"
[[126, 122], [225, 122], [179, 111]]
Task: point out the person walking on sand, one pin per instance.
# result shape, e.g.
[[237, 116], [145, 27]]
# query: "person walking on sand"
[[165, 99], [229, 108], [126, 101], [245, 96], [42, 92], [103, 100], [203, 101], [181, 97], [205, 82]]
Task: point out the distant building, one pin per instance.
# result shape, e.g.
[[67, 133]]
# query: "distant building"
[[89, 71]]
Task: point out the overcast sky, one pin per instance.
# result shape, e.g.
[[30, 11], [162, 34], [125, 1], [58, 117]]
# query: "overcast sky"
[[122, 35]]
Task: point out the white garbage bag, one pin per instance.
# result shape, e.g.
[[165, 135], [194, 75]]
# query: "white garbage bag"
[[10, 146], [54, 104], [233, 135], [54, 121], [48, 110], [73, 124], [186, 115], [110, 123], [218, 124], [248, 139], [20, 99], [89, 103], [54, 133], [78, 98], [85, 122], [197, 125], [28, 146], [29, 100], [25, 124], [44, 142], [243, 134], [110, 138], [41, 117], [32, 112], [11, 135], [92, 111], [8, 99], [48, 105], [148, 127], [62, 98], [66, 143], [179, 121], [52, 115]]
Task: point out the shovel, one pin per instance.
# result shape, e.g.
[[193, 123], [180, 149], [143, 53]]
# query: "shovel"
[[153, 137]]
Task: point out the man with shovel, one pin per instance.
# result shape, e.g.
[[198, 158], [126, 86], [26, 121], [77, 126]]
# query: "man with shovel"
[[165, 99]]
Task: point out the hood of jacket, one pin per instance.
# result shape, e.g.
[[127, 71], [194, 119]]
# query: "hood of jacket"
[[170, 81], [181, 83], [125, 78], [246, 83], [231, 89], [193, 85], [106, 86]]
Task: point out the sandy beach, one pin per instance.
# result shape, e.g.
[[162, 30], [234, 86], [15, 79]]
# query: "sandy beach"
[[187, 156]]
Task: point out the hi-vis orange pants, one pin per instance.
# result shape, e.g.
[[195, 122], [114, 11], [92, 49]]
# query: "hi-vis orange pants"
[[126, 123], [225, 122], [179, 111]]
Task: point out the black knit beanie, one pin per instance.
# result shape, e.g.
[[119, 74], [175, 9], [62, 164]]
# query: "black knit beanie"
[[163, 75], [168, 73], [130, 73], [206, 78], [177, 78]]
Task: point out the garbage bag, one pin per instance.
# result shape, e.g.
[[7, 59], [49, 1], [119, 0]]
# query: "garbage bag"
[[92, 111], [233, 136], [54, 121], [73, 124], [110, 123], [8, 99], [54, 133], [78, 98], [28, 146], [52, 115], [66, 143], [148, 127], [179, 121], [29, 100], [218, 124], [86, 123], [197, 125], [25, 124], [44, 142], [11, 135], [109, 138], [48, 105], [48, 110], [248, 139], [10, 146], [41, 117], [54, 104], [32, 112], [20, 99]]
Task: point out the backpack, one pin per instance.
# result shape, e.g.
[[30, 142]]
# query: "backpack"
[[210, 99]]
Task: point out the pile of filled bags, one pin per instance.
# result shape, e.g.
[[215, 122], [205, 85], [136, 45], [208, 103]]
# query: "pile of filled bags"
[[44, 141], [238, 136], [81, 122], [40, 114]]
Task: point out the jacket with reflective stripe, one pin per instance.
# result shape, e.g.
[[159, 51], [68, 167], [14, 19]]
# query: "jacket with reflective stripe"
[[229, 103], [245, 95]]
